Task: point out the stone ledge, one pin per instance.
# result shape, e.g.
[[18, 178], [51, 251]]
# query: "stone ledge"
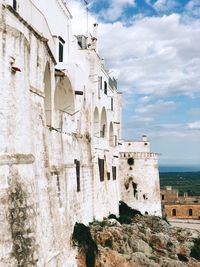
[[37, 91], [10, 159]]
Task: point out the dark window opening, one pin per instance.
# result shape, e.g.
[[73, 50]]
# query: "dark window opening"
[[163, 197], [114, 172], [146, 144], [130, 161], [15, 4], [105, 88], [101, 169], [103, 130], [60, 49], [115, 136], [174, 212], [112, 104], [134, 185], [145, 197], [108, 175], [190, 212], [146, 213], [100, 82], [78, 184]]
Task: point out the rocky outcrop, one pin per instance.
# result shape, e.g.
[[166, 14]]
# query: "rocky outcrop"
[[148, 241]]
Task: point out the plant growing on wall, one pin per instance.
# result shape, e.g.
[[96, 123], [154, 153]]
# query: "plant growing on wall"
[[23, 241], [83, 239], [195, 251]]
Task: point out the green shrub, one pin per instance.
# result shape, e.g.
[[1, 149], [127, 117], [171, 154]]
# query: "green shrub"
[[83, 239], [108, 243], [182, 257], [124, 209], [195, 251], [125, 219]]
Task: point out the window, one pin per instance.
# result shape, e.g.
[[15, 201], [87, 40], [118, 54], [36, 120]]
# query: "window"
[[114, 172], [78, 175], [112, 104], [101, 169], [174, 212], [15, 4], [60, 49], [163, 197], [115, 140], [108, 175], [105, 88], [190, 212]]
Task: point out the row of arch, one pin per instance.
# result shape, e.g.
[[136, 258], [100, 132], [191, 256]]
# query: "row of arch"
[[63, 98], [190, 212], [100, 127], [64, 102]]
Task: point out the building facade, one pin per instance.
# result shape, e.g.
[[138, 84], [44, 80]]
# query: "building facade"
[[139, 177], [60, 137], [179, 207]]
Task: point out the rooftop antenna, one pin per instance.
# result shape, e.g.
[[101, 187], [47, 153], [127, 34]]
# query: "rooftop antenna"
[[87, 10]]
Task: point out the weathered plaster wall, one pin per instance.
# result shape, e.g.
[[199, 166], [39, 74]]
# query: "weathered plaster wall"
[[183, 211], [46, 128], [139, 177]]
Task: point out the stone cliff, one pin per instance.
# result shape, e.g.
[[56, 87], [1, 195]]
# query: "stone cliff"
[[146, 241]]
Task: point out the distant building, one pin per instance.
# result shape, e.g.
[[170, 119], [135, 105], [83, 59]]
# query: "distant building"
[[179, 207]]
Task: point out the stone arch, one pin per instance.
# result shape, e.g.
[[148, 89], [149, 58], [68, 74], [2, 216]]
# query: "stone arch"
[[64, 96], [111, 134], [47, 93], [96, 122], [103, 126]]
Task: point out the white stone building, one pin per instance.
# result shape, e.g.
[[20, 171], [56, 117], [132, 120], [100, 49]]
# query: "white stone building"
[[139, 177], [60, 115]]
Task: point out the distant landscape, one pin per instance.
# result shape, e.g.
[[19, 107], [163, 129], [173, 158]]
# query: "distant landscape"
[[182, 178]]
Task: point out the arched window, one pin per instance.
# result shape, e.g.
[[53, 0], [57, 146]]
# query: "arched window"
[[64, 99], [96, 123], [190, 212], [111, 135], [47, 92], [103, 129], [174, 212]]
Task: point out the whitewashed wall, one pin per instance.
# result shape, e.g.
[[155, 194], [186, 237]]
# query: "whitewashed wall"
[[140, 184]]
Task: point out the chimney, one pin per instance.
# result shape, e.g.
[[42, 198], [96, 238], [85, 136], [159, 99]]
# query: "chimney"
[[95, 30], [95, 36], [144, 138]]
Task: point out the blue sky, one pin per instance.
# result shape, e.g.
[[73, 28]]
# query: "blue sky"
[[153, 48]]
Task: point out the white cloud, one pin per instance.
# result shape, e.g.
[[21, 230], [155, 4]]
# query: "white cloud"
[[195, 112], [193, 8], [116, 8], [157, 108], [165, 5], [144, 99], [154, 55], [194, 125]]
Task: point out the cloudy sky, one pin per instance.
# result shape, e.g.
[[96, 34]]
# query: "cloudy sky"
[[153, 49]]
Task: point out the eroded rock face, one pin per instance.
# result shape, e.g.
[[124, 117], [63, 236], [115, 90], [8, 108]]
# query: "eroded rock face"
[[147, 241]]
